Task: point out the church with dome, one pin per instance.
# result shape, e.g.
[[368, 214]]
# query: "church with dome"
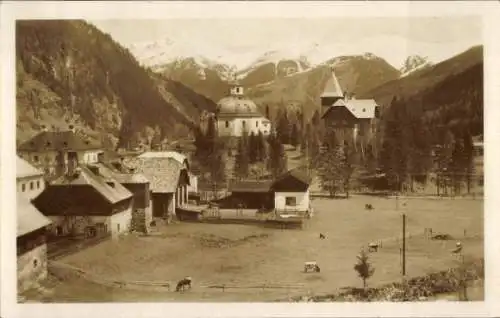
[[237, 115]]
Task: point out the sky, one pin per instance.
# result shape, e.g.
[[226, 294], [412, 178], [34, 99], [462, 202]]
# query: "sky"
[[393, 39]]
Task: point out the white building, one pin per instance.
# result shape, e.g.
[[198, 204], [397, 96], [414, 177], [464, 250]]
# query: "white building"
[[236, 114], [31, 225], [55, 151], [30, 182], [291, 192]]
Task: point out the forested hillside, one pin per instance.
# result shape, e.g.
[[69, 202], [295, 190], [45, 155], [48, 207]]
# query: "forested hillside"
[[68, 71]]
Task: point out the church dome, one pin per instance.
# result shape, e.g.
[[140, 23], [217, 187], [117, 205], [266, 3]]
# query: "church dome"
[[233, 106]]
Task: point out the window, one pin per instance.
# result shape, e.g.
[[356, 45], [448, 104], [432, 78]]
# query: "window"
[[35, 263], [243, 123], [38, 184], [35, 158], [23, 187], [32, 185], [227, 123], [118, 227], [291, 201], [257, 123]]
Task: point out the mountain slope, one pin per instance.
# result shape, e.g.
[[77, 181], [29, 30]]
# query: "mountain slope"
[[70, 70], [197, 76], [356, 74], [417, 82], [451, 92]]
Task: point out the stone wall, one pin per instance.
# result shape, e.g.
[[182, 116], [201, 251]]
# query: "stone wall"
[[31, 267]]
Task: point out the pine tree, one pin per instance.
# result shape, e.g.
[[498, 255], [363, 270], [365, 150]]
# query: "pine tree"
[[468, 159], [348, 164], [330, 168], [283, 128], [277, 163], [252, 148], [294, 136], [268, 115], [260, 146], [363, 267], [242, 158]]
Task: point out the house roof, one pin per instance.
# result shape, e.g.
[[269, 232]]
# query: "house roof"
[[29, 218], [256, 186], [180, 158], [299, 174], [57, 140], [110, 172], [359, 108], [332, 87], [112, 194], [162, 172], [25, 169]]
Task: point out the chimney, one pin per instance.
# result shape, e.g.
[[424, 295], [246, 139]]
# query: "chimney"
[[72, 128], [100, 157]]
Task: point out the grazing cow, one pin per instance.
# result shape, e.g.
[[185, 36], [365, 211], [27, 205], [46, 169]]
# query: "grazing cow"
[[183, 283], [458, 248], [373, 247], [311, 266], [322, 236], [368, 207]]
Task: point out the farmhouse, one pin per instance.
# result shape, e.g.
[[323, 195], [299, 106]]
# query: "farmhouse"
[[31, 244], [134, 182], [250, 194], [30, 182], [237, 115], [288, 194], [84, 203], [54, 151], [169, 180], [353, 120], [291, 192], [31, 224]]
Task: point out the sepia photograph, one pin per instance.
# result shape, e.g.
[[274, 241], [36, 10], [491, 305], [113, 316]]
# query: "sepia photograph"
[[254, 159]]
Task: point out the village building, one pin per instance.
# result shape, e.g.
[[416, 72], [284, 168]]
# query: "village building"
[[30, 181], [237, 115], [31, 227], [288, 194], [169, 179], [83, 203], [291, 192], [31, 244], [352, 120], [250, 194], [137, 184], [53, 151]]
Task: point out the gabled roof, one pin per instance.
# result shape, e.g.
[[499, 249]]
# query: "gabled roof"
[[109, 172], [25, 169], [359, 108], [57, 140], [29, 219], [112, 194], [299, 174], [332, 87], [180, 158], [256, 186], [162, 172]]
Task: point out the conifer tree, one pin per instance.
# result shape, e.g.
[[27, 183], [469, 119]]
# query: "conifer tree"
[[364, 268], [251, 146], [294, 136], [260, 147], [242, 158]]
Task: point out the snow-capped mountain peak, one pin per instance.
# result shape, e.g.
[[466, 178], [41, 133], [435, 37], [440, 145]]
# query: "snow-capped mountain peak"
[[414, 63]]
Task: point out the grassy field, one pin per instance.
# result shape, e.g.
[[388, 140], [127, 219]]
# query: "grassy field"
[[250, 256]]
